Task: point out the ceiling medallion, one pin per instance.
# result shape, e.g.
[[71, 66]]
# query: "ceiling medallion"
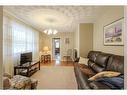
[[50, 31]]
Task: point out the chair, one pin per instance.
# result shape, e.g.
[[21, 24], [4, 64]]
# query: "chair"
[[18, 82], [68, 55]]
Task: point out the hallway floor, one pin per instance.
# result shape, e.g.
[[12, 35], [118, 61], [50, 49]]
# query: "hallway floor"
[[58, 63]]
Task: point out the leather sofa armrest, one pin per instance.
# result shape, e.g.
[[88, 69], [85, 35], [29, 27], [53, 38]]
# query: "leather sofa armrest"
[[82, 79], [97, 85]]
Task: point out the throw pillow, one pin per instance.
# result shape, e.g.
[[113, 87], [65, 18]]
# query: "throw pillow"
[[113, 82], [104, 74], [83, 61]]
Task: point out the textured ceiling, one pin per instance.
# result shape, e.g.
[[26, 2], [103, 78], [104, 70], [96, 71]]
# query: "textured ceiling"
[[62, 18]]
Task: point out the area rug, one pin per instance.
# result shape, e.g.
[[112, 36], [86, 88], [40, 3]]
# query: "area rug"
[[56, 77]]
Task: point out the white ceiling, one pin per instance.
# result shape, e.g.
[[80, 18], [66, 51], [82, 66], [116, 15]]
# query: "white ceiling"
[[62, 18]]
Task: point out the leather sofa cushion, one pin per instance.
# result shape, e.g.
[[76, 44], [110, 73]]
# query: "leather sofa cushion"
[[92, 55], [116, 63], [113, 82], [90, 63], [97, 68], [98, 85], [87, 71], [102, 59]]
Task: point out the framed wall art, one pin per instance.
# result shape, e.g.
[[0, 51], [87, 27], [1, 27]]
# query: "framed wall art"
[[114, 32], [67, 41]]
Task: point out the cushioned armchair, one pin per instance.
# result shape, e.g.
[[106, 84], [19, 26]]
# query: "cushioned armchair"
[[18, 82]]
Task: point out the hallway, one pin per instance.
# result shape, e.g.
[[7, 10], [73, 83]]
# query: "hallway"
[[58, 63]]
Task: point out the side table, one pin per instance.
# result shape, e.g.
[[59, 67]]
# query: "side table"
[[45, 58]]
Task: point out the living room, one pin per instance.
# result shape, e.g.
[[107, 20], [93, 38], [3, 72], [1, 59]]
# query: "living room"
[[80, 28]]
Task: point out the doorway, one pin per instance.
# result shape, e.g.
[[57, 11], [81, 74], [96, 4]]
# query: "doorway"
[[56, 48]]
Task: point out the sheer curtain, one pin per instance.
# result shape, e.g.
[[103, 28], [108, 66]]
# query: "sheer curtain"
[[18, 38]]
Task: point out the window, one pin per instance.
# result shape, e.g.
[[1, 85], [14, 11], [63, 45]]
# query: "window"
[[19, 38], [23, 38]]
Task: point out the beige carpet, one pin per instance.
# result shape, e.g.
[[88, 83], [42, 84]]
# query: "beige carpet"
[[56, 77]]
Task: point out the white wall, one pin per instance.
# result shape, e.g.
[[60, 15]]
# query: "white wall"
[[1, 44], [85, 38], [125, 50], [109, 15], [76, 39]]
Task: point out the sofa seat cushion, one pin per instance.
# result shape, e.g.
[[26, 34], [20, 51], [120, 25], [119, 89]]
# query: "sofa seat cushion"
[[98, 85], [82, 65], [20, 82], [87, 71]]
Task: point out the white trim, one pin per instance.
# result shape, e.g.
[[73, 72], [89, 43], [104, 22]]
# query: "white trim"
[[1, 47], [125, 48], [78, 49]]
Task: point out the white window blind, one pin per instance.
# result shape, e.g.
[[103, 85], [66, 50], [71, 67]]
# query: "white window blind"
[[18, 38]]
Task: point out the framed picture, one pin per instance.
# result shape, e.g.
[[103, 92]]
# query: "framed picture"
[[114, 32], [67, 41]]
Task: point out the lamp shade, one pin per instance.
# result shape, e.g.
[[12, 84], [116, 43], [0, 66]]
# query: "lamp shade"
[[45, 48]]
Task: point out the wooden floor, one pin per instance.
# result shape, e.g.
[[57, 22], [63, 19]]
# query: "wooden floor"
[[58, 63]]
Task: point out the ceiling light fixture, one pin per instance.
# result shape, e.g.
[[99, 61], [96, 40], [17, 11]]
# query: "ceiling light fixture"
[[50, 31]]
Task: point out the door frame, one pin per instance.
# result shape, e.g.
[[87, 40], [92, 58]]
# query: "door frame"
[[53, 53]]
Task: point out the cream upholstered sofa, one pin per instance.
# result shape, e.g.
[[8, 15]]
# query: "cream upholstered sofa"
[[18, 82]]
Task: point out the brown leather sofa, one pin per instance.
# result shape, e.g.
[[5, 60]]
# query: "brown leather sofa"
[[98, 62]]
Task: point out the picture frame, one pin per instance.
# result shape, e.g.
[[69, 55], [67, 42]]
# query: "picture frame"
[[67, 41], [114, 33]]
